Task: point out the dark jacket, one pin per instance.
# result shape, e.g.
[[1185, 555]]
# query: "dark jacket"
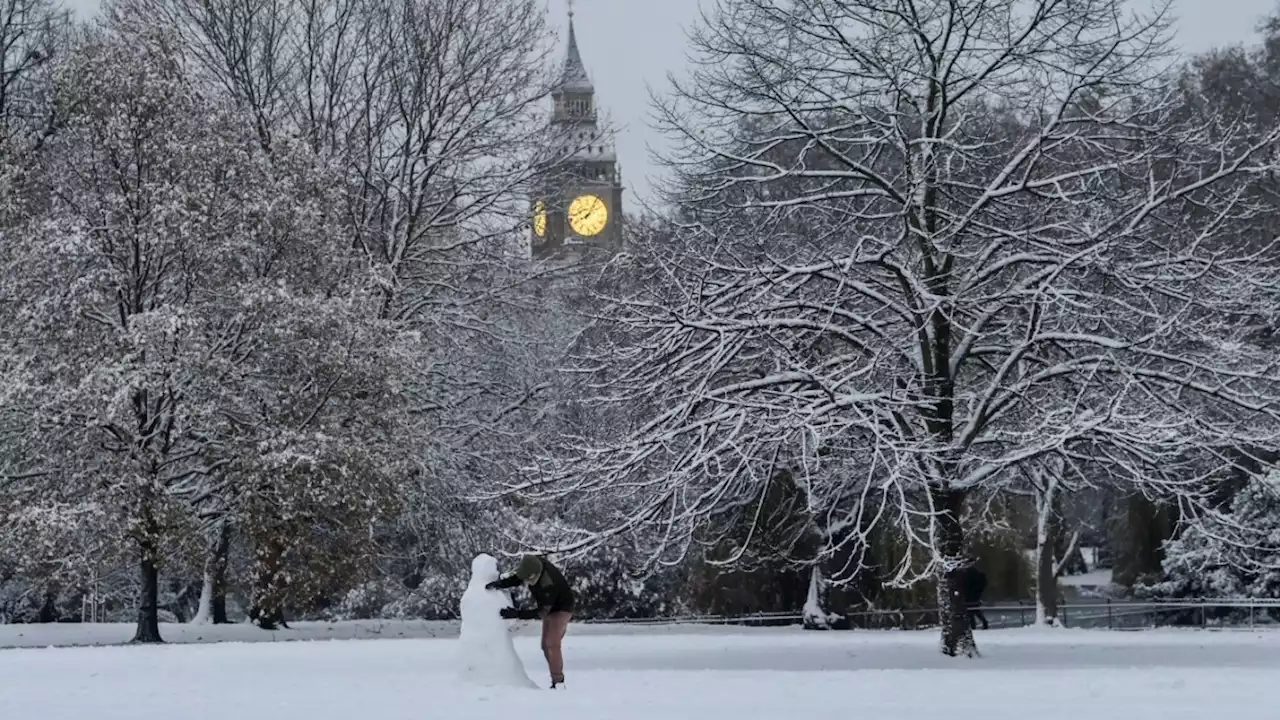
[[551, 592], [975, 583]]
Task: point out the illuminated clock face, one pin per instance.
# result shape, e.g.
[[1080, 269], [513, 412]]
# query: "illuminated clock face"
[[540, 218], [588, 215]]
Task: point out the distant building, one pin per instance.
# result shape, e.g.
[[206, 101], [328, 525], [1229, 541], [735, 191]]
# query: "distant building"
[[577, 208]]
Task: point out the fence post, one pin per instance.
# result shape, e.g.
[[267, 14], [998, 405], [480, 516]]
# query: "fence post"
[[1064, 614], [1251, 615], [1204, 617], [1109, 625], [1022, 614]]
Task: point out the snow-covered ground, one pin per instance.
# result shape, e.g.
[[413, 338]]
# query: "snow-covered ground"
[[1093, 578], [82, 634], [641, 674]]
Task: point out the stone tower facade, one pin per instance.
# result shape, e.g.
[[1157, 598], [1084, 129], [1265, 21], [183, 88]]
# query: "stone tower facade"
[[578, 207]]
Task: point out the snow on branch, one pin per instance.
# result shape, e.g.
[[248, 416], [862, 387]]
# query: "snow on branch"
[[913, 252]]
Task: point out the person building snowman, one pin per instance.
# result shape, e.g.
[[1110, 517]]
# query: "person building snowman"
[[554, 599]]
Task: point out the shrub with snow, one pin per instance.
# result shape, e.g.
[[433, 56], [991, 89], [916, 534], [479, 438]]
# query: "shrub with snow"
[[605, 586], [1235, 556]]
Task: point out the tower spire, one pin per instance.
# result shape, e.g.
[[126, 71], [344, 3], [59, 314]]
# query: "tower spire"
[[581, 203], [574, 76]]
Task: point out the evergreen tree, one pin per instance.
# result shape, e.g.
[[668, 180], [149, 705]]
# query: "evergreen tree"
[[1235, 555]]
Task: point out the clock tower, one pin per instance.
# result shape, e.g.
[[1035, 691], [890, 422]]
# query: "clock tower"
[[577, 207]]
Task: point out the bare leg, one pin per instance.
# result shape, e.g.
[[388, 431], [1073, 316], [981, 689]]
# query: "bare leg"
[[554, 627]]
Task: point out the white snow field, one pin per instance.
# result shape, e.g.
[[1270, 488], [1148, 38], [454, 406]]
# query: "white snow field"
[[676, 673]]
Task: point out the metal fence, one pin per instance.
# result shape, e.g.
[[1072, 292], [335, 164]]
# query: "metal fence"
[[1100, 614], [1109, 614]]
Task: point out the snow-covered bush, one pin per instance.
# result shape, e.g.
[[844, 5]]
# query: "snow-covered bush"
[[435, 598], [1233, 556], [362, 602], [605, 587]]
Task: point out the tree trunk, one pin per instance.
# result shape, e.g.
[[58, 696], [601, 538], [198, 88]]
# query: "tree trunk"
[[217, 571], [204, 610], [179, 605], [213, 592], [1046, 585], [815, 617], [268, 587], [957, 636], [1046, 524], [49, 606], [149, 603], [1070, 556]]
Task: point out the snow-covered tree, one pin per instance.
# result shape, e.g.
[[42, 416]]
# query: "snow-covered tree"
[[123, 291], [192, 341], [928, 243], [1236, 555], [434, 110], [33, 34]]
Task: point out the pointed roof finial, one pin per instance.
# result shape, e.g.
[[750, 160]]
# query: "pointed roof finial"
[[574, 77]]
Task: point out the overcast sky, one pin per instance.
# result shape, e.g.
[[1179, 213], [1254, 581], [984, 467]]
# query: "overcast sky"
[[628, 45]]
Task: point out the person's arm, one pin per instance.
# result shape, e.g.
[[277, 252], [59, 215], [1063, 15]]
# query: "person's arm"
[[521, 614], [509, 581]]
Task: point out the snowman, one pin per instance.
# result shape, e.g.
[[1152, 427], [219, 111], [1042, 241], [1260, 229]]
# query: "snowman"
[[488, 656]]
